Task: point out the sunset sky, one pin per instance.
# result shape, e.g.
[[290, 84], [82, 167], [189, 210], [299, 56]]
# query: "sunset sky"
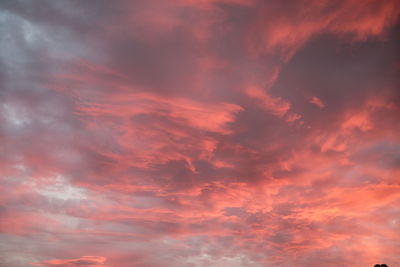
[[199, 133]]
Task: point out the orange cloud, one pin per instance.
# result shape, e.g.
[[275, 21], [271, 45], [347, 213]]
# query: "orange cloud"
[[84, 261]]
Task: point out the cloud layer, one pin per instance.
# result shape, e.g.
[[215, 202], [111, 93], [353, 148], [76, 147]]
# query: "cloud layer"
[[199, 133]]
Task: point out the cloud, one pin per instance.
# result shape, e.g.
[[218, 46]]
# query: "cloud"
[[276, 106], [316, 101], [204, 133], [84, 261]]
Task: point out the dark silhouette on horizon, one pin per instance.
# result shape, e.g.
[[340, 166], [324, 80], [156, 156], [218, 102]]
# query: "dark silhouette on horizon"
[[380, 265]]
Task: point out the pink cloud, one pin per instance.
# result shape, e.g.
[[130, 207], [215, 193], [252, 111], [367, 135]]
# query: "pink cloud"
[[276, 106], [316, 101], [204, 133]]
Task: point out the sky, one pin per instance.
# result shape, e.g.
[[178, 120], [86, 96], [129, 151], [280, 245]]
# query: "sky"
[[191, 133]]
